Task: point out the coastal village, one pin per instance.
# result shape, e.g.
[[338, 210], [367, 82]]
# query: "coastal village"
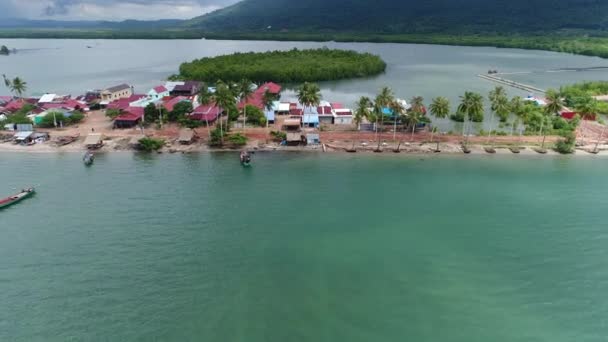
[[84, 122]]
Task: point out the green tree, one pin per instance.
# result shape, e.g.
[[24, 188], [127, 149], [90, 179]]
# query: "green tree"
[[554, 105], [18, 86], [399, 113], [309, 95], [471, 107], [112, 113], [224, 98], [416, 113], [244, 92], [383, 100], [150, 144], [268, 100], [256, 115], [151, 114], [180, 110], [440, 108], [362, 111]]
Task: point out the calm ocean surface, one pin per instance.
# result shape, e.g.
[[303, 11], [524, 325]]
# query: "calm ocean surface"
[[304, 247]]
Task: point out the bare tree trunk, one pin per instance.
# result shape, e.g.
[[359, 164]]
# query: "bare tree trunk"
[[597, 143], [541, 132], [413, 129], [244, 117]]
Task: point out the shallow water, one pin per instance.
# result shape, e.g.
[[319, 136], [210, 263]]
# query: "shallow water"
[[304, 247]]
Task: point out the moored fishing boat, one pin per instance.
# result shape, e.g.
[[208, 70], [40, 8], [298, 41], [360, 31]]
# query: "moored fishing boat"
[[25, 193], [88, 158], [245, 158]]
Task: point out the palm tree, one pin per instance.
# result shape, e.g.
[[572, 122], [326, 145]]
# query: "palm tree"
[[383, 100], [554, 105], [417, 103], [416, 112], [471, 105], [440, 108], [244, 92], [497, 93], [413, 119], [361, 112], [521, 111], [398, 111], [268, 101], [18, 86], [309, 95], [589, 107], [7, 82], [205, 98], [225, 99], [500, 106]]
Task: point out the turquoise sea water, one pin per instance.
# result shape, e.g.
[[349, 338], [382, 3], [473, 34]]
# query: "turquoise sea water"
[[304, 247]]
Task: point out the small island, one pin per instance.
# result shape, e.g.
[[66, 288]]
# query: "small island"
[[293, 66]]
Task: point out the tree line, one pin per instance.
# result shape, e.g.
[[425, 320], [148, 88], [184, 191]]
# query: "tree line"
[[528, 117], [293, 66]]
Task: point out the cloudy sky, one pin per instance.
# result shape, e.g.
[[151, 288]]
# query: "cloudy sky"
[[108, 9]]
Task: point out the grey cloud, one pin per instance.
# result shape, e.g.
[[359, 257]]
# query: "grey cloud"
[[62, 6]]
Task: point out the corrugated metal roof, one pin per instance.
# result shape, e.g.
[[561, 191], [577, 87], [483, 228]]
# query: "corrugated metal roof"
[[186, 135], [23, 135], [93, 139]]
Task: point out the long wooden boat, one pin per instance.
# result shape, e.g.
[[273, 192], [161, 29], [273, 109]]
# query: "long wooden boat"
[[66, 140], [25, 193]]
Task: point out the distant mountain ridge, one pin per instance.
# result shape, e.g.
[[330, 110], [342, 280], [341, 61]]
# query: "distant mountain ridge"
[[407, 16]]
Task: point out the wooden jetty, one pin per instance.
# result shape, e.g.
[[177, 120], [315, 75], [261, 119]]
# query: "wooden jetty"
[[510, 83]]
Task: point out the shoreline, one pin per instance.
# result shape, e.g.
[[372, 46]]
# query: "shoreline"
[[407, 149], [582, 45]]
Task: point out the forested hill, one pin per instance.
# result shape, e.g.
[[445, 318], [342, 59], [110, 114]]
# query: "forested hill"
[[408, 16]]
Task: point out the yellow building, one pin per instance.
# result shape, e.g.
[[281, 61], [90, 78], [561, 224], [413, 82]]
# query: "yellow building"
[[123, 91]]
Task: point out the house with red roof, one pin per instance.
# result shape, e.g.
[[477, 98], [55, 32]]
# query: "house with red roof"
[[129, 117], [271, 87], [188, 88], [172, 102], [206, 113]]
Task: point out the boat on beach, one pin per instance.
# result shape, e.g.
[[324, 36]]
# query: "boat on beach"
[[8, 201]]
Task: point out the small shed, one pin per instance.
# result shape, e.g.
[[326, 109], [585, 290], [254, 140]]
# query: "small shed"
[[93, 141], [293, 138], [313, 139], [186, 136], [23, 137], [310, 120], [292, 124]]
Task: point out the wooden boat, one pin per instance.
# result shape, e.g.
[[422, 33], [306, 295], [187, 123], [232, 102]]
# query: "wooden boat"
[[245, 158], [66, 140], [88, 158], [25, 193]]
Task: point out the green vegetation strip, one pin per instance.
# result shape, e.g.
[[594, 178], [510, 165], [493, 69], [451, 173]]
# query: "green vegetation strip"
[[284, 66], [575, 43]]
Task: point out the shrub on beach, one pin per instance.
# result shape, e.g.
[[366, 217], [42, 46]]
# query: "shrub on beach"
[[149, 144]]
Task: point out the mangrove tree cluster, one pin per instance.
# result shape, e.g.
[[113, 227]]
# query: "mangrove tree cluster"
[[292, 66]]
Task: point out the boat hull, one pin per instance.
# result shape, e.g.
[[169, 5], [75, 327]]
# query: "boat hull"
[[11, 200]]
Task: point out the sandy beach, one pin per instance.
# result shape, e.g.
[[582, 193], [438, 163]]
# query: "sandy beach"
[[332, 141]]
